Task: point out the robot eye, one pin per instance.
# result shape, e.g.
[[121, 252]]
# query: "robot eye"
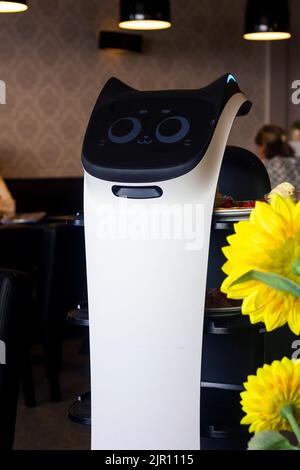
[[172, 130], [124, 130]]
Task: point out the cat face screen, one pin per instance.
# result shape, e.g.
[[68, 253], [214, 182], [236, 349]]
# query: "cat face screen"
[[141, 133]]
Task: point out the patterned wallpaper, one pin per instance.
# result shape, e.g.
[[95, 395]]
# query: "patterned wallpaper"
[[54, 71], [293, 62]]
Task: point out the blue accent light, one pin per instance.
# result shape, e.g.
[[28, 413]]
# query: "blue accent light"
[[230, 78]]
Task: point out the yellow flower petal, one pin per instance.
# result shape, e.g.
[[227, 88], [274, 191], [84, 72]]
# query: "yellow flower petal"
[[267, 392], [294, 317], [268, 242], [267, 219], [284, 207]]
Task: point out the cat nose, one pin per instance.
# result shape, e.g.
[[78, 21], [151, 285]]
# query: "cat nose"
[[146, 136]]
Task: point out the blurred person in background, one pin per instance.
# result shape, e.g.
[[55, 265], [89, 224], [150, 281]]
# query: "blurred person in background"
[[278, 156], [7, 202]]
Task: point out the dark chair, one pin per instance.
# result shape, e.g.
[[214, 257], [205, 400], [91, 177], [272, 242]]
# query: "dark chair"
[[54, 256], [15, 307], [21, 248], [62, 284]]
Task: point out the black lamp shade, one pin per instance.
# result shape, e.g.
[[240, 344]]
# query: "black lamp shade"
[[145, 14], [267, 20], [120, 41], [13, 6]]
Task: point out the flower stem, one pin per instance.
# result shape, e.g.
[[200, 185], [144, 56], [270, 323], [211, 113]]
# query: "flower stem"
[[296, 268], [288, 413]]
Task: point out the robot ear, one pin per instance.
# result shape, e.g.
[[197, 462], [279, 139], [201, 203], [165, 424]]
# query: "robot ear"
[[114, 88]]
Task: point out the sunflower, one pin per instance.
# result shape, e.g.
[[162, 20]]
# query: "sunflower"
[[274, 389], [268, 243]]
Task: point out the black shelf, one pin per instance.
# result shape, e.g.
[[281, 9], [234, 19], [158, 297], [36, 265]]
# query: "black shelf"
[[80, 411], [76, 221], [233, 348], [222, 432], [221, 414], [79, 316], [226, 223], [219, 386]]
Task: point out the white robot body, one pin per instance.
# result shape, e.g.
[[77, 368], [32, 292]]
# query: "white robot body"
[[146, 306]]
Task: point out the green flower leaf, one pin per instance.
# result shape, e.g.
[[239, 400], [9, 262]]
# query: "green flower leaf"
[[287, 411], [275, 281], [296, 268], [269, 440]]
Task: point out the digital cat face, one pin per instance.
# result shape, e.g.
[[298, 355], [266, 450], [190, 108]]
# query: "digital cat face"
[[170, 129], [148, 130]]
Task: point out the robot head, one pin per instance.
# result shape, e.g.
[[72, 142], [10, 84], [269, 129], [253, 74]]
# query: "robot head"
[[141, 136]]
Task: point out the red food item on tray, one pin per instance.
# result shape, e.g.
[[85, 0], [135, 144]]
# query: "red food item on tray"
[[227, 202], [246, 204], [216, 299]]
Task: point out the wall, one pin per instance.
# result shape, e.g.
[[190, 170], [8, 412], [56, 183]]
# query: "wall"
[[293, 62], [54, 71], [284, 69]]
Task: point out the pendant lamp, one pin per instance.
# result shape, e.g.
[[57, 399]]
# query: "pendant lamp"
[[145, 14], [267, 20], [13, 7]]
